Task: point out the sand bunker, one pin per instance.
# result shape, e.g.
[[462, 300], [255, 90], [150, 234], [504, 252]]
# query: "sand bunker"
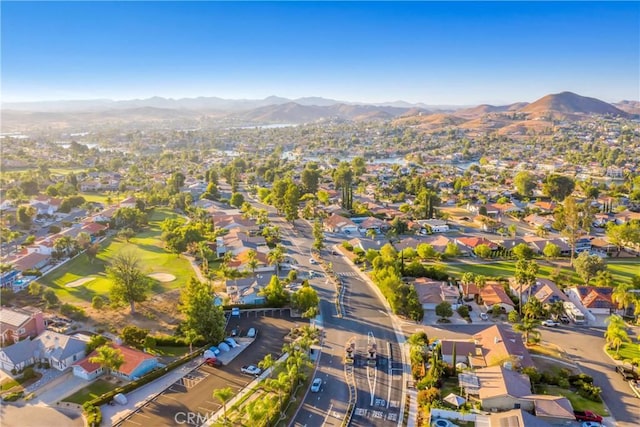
[[163, 277], [79, 282]]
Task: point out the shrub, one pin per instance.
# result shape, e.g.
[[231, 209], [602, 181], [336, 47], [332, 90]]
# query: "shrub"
[[93, 413], [359, 251], [73, 312], [12, 397], [28, 373], [134, 336], [97, 302], [35, 289], [50, 297], [428, 395], [94, 342], [348, 246], [463, 311]]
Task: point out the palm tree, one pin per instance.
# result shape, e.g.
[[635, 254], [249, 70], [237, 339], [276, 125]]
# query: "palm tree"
[[371, 233], [276, 256], [266, 363], [622, 296], [529, 328], [223, 395], [252, 257], [108, 358]]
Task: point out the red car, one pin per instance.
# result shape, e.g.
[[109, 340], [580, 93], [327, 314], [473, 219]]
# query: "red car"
[[212, 361], [587, 416]]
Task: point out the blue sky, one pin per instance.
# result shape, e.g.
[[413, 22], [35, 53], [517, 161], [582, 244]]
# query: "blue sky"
[[436, 53]]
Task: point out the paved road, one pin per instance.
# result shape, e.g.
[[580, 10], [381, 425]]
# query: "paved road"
[[584, 345], [364, 314]]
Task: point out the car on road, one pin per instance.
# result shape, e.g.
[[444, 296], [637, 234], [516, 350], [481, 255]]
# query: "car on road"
[[550, 323], [587, 416], [212, 361], [252, 333], [315, 386], [627, 373], [250, 370], [312, 261], [591, 424], [484, 316]]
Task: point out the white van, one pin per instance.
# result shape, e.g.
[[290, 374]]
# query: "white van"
[[252, 332]]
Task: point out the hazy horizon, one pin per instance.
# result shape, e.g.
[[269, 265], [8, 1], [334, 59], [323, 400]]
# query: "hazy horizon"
[[454, 53]]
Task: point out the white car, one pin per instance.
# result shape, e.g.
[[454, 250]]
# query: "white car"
[[315, 386], [484, 316], [232, 343], [591, 424], [250, 370], [312, 261], [550, 323]]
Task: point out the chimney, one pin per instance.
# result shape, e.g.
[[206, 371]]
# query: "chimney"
[[496, 340]]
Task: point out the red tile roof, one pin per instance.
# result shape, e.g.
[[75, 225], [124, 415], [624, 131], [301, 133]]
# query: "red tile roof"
[[132, 359]]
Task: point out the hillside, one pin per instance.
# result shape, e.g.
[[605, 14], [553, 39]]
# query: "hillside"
[[570, 103]]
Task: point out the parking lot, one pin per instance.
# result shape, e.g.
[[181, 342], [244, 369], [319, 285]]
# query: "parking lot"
[[190, 400]]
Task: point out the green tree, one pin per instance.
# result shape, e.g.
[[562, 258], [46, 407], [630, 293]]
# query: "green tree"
[[94, 342], [426, 251], [533, 308], [201, 315], [237, 199], [129, 283], [616, 333], [482, 250], [306, 300], [444, 310], [452, 250], [523, 251], [223, 395], [276, 256], [108, 358], [318, 236], [25, 215], [252, 260], [291, 202], [126, 234], [310, 177], [529, 329], [558, 187], [525, 183], [551, 251], [587, 266], [134, 336], [274, 293]]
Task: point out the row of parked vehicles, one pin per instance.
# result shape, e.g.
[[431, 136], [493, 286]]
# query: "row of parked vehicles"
[[630, 375]]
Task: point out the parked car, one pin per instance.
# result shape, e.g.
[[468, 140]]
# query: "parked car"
[[232, 343], [315, 386], [587, 416], [252, 333], [484, 316], [212, 361], [250, 370], [550, 323], [627, 373], [223, 346], [235, 331], [215, 350], [591, 424], [565, 319], [312, 261], [235, 311]]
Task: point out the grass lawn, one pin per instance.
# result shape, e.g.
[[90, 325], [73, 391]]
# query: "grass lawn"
[[170, 351], [8, 383], [628, 351], [449, 385], [93, 390], [578, 402], [147, 245], [547, 350], [622, 270], [96, 197]]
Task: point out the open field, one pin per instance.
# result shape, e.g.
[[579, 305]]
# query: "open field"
[[622, 270], [149, 248]]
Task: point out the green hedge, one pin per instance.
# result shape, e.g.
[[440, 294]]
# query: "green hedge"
[[12, 397], [93, 414], [105, 398]]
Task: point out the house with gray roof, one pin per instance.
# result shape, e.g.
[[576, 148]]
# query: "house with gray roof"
[[17, 356]]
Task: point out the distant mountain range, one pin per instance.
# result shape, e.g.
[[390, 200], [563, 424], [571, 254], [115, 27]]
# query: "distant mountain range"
[[204, 111]]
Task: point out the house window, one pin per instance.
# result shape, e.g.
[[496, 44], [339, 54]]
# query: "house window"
[[75, 357]]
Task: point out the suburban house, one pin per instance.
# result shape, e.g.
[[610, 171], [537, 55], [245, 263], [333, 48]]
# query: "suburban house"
[[495, 294], [499, 345], [543, 290], [555, 410], [473, 242], [514, 417], [539, 243], [339, 224], [241, 262], [372, 223], [583, 244], [136, 364], [16, 324], [366, 243], [498, 388], [237, 241], [463, 349], [246, 291], [31, 261], [596, 299], [59, 350], [433, 292], [129, 202], [235, 222], [538, 221]]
